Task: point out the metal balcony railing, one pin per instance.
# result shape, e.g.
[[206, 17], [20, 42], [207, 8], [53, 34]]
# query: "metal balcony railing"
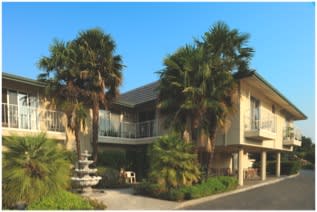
[[264, 120], [31, 118], [114, 128], [292, 133]]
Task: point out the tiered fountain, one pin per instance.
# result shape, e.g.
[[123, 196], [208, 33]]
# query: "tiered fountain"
[[83, 180]]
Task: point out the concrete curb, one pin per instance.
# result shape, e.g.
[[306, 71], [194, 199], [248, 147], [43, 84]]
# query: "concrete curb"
[[238, 190]]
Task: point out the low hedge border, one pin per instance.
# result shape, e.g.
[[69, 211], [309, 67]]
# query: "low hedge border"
[[211, 186]]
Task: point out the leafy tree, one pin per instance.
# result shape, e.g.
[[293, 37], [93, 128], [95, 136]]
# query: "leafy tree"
[[306, 150], [198, 84], [173, 162], [32, 168]]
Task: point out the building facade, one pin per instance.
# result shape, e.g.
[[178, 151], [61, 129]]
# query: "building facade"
[[263, 123]]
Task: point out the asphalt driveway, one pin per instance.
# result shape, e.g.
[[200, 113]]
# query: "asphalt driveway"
[[292, 194]]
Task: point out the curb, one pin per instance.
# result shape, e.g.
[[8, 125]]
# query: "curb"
[[238, 190]]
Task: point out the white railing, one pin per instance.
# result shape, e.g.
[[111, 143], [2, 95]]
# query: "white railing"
[[114, 128], [31, 118], [266, 120], [292, 133]]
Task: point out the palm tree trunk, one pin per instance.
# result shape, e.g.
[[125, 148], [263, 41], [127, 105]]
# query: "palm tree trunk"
[[77, 143], [211, 149], [187, 135], [95, 130]]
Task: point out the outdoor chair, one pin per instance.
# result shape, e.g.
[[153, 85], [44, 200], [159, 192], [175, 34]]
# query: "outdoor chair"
[[130, 177]]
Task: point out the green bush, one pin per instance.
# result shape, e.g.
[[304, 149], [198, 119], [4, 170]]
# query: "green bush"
[[112, 158], [287, 167], [173, 162], [110, 178], [97, 205], [62, 200], [33, 166], [309, 166], [210, 186]]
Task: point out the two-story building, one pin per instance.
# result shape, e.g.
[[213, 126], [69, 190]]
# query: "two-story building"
[[264, 121]]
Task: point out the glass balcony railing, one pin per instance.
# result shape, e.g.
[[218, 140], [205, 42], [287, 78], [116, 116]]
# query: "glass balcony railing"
[[265, 120], [290, 133], [31, 118], [113, 128]]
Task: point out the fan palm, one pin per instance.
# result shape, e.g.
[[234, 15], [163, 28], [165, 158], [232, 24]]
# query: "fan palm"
[[101, 73], [197, 85], [61, 74], [173, 162], [32, 167]]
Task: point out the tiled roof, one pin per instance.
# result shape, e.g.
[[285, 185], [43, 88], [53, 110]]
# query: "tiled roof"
[[139, 95]]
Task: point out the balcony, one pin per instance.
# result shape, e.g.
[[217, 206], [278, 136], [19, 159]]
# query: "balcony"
[[111, 131], [261, 128], [17, 119], [292, 137]]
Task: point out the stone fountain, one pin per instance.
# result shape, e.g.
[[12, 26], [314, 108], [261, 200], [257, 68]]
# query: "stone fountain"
[[83, 180]]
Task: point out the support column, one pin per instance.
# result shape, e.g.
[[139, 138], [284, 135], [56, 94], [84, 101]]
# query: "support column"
[[278, 164], [240, 167], [263, 165]]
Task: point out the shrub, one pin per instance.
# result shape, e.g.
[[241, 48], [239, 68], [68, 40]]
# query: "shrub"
[[97, 205], [287, 167], [33, 166], [210, 186], [112, 158], [110, 178], [309, 166], [173, 162], [62, 200]]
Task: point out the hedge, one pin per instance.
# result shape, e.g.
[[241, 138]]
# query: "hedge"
[[287, 167], [62, 200], [211, 186]]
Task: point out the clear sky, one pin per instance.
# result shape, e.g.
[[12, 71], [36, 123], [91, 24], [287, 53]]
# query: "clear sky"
[[282, 34]]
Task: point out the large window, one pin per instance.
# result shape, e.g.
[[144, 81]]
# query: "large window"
[[19, 109]]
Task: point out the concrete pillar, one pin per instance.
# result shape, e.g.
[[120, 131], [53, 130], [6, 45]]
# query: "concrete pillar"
[[278, 164], [240, 167], [263, 165]]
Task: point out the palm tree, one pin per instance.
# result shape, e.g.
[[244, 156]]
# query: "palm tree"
[[198, 84], [177, 97], [33, 167], [226, 55], [83, 72], [101, 73], [61, 74], [173, 162]]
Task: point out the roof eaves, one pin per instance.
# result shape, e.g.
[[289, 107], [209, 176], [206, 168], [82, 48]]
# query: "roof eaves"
[[22, 79], [257, 75]]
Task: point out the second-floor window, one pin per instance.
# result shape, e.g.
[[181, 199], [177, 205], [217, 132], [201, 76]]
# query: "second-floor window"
[[255, 113]]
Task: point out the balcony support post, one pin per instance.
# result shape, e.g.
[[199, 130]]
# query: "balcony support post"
[[278, 164], [263, 165], [240, 167]]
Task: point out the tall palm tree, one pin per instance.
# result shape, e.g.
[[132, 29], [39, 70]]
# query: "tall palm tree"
[[61, 73], [177, 97], [198, 86], [101, 73], [226, 55]]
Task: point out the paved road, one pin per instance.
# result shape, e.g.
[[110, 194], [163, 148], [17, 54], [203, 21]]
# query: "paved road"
[[293, 194]]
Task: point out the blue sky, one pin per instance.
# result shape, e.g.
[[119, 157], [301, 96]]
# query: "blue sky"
[[282, 35]]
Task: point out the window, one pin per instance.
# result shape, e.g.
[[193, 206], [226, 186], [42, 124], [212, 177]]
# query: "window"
[[255, 113]]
